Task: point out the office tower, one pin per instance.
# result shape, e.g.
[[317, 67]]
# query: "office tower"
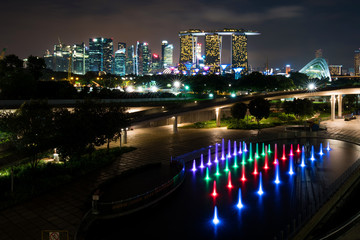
[[335, 70], [168, 55], [49, 60], [318, 53], [80, 57], [164, 43], [101, 54], [239, 54], [142, 58], [62, 54], [108, 51], [120, 62], [155, 63], [357, 62], [130, 60]]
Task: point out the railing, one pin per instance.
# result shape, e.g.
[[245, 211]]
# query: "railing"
[[302, 216], [142, 200]]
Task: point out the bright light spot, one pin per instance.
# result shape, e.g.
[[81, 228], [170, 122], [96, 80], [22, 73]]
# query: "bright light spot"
[[130, 89], [211, 95], [177, 84], [233, 95], [311, 86], [154, 89]]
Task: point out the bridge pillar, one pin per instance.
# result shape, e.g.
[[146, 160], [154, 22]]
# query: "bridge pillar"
[[175, 127], [332, 101], [339, 98], [217, 112]]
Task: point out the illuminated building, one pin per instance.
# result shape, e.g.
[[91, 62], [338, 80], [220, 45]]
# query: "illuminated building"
[[187, 47], [357, 62], [100, 54], [317, 68], [49, 60], [239, 54], [213, 52], [198, 51], [130, 60], [80, 59], [213, 48], [287, 69], [61, 58], [335, 70], [142, 58], [155, 63], [164, 43], [168, 56], [120, 60]]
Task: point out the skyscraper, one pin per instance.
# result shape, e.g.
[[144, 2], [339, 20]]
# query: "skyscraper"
[[213, 52], [155, 63], [164, 43], [61, 58], [130, 60], [120, 60], [357, 62], [239, 54], [142, 58], [80, 57], [187, 47], [101, 54], [213, 48], [49, 60], [168, 56]]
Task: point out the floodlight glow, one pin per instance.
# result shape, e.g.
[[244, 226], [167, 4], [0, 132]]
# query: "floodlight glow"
[[245, 147], [209, 158], [291, 151], [291, 171], [222, 150], [187, 87], [211, 95], [302, 157], [263, 150], [235, 163], [194, 166], [215, 219], [235, 151], [312, 153], [229, 180], [321, 150], [229, 149], [283, 156], [298, 148], [217, 173], [154, 89], [260, 191], [216, 153], [328, 146], [233, 95], [207, 177], [226, 165], [275, 154], [214, 193], [130, 89], [277, 177], [250, 153], [239, 205], [240, 151], [266, 159], [177, 84], [311, 86], [243, 178], [255, 172], [257, 151]]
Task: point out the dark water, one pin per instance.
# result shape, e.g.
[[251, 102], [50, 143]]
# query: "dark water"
[[189, 211]]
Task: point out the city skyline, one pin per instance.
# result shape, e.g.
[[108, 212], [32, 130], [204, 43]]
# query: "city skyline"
[[290, 33]]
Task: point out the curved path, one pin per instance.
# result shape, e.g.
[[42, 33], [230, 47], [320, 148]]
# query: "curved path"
[[63, 208]]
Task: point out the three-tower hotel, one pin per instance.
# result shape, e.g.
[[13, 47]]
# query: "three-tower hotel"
[[213, 48]]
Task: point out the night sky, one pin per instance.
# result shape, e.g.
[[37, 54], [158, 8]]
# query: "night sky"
[[290, 31]]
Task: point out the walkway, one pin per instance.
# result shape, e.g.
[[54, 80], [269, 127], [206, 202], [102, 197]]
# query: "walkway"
[[63, 208]]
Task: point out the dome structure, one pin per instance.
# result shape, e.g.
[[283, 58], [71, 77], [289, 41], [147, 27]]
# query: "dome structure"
[[317, 68]]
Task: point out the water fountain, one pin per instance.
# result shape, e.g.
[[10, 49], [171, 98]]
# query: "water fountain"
[[239, 205]]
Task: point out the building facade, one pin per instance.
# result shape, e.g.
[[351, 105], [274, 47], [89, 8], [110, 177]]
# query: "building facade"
[[101, 54], [357, 62]]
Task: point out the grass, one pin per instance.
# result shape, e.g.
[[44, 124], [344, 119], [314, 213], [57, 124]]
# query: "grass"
[[30, 182]]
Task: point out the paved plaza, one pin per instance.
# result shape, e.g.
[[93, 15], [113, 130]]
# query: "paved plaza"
[[64, 207]]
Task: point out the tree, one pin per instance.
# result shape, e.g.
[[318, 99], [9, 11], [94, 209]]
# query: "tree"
[[30, 129], [299, 107], [238, 110], [259, 108], [36, 66]]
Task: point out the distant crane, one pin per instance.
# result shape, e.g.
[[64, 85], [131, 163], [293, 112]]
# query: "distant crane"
[[2, 54]]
